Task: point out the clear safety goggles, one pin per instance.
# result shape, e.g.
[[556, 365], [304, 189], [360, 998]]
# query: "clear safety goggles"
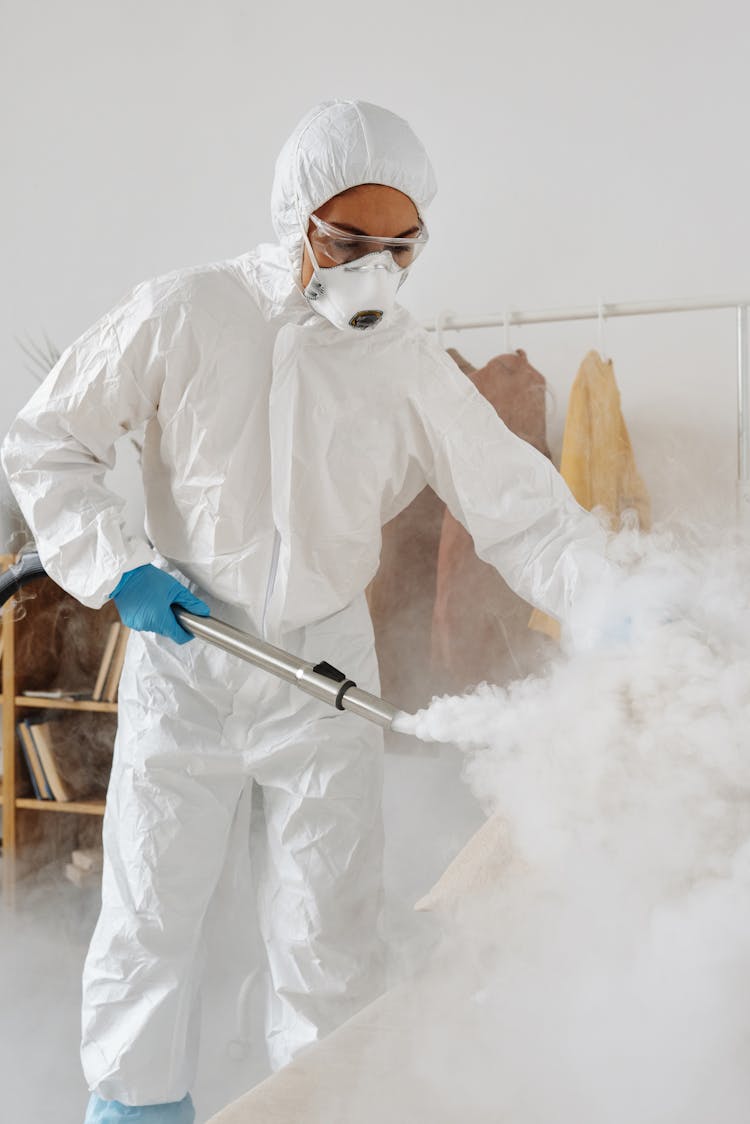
[[343, 246]]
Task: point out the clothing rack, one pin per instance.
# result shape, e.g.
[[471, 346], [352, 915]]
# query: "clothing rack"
[[446, 321]]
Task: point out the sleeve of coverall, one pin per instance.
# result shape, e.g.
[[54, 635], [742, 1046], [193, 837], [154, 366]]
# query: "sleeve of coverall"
[[60, 446], [518, 509]]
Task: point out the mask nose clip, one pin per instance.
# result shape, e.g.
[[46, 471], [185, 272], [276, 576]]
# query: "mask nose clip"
[[367, 318]]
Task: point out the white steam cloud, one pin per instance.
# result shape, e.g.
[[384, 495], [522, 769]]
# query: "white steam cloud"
[[615, 945]]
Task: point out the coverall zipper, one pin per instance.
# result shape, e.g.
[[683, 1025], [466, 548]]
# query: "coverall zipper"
[[271, 578]]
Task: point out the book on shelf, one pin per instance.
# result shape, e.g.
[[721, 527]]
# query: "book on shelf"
[[42, 791], [108, 675], [67, 760], [115, 668], [57, 693], [56, 782], [106, 662]]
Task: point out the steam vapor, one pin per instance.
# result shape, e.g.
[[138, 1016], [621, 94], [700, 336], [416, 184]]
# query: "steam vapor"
[[615, 944]]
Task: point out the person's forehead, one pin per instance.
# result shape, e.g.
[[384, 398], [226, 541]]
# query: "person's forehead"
[[372, 208]]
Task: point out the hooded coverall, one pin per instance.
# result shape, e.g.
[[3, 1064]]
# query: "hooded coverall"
[[276, 447]]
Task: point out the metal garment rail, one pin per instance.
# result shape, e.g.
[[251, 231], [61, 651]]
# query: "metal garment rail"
[[448, 322]]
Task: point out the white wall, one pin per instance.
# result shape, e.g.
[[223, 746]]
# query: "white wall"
[[583, 149]]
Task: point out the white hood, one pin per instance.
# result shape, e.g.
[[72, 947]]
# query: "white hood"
[[341, 144]]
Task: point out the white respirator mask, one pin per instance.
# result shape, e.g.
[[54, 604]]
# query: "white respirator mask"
[[359, 291]]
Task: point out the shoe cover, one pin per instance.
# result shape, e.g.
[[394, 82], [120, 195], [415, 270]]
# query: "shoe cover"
[[111, 1112]]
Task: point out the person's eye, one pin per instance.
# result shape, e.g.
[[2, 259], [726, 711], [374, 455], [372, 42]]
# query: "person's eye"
[[403, 253], [347, 249]]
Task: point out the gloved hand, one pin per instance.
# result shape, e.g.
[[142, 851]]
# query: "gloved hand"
[[144, 597], [615, 617], [616, 633]]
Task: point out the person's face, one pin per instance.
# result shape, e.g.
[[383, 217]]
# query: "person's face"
[[368, 209]]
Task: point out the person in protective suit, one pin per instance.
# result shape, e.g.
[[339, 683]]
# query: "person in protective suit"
[[291, 408]]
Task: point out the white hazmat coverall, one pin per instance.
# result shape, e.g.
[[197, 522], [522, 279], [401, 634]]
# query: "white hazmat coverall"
[[276, 447]]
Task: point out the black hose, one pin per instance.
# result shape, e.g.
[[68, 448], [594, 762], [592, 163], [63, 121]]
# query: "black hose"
[[27, 569]]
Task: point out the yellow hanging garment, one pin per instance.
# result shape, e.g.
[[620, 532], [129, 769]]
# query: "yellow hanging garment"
[[597, 458]]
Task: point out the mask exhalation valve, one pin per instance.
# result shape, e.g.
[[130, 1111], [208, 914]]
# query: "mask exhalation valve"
[[368, 318]]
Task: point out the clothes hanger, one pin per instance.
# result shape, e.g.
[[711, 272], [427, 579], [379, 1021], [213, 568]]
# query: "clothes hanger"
[[439, 320], [506, 325], [602, 321]]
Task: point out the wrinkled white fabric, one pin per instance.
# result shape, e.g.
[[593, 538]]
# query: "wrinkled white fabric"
[[256, 428], [194, 725], [276, 447]]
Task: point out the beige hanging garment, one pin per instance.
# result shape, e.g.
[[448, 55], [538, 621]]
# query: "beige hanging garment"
[[479, 624], [443, 619], [401, 596], [597, 458]]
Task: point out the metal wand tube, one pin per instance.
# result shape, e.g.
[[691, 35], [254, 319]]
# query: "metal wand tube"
[[284, 665]]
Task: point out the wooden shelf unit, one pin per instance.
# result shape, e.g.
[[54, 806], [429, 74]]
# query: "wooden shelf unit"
[[48, 639], [66, 704], [82, 807]]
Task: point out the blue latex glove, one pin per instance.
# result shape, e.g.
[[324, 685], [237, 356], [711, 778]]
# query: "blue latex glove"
[[144, 597], [617, 633], [110, 1112]]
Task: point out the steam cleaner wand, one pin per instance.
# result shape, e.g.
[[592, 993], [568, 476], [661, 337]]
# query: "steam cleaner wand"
[[321, 680]]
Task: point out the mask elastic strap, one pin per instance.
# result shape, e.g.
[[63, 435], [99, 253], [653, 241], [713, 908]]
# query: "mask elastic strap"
[[308, 245], [311, 252]]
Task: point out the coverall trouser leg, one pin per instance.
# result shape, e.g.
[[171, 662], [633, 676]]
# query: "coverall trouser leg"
[[319, 880], [194, 724]]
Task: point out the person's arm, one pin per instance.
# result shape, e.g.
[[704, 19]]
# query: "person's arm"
[[60, 446], [518, 509]]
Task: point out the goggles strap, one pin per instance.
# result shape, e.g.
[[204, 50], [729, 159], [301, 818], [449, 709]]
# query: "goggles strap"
[[315, 264], [303, 230]]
